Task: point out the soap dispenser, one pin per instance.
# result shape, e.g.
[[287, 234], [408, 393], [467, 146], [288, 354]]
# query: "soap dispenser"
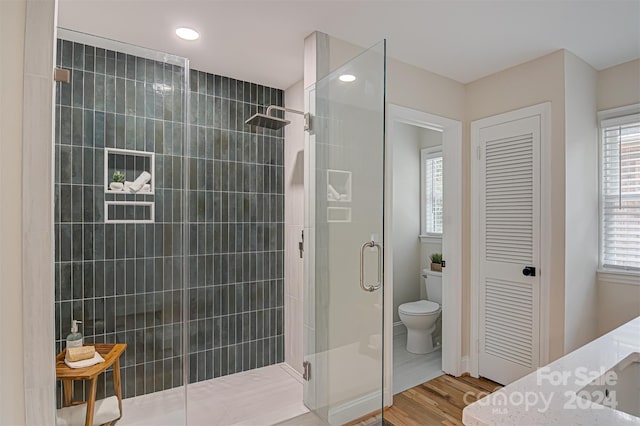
[[74, 339]]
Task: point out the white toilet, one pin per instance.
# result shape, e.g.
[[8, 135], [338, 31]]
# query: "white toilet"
[[421, 317]]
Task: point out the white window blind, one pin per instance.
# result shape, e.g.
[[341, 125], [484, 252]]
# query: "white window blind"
[[432, 192], [620, 193]]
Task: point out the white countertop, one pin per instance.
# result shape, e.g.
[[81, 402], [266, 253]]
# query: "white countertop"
[[553, 402]]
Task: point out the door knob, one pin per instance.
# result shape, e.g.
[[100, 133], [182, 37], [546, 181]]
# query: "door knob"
[[529, 271]]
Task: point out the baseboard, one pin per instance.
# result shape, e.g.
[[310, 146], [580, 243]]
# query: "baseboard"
[[355, 409], [399, 328], [465, 366]]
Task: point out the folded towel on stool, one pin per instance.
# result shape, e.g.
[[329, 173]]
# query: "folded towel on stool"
[[79, 354], [97, 359], [105, 411]]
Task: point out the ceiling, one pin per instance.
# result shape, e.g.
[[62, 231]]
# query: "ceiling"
[[262, 40]]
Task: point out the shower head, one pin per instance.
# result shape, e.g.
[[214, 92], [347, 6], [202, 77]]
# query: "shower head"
[[269, 121]]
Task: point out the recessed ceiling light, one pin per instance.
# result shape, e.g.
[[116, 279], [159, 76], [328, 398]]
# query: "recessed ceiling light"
[[187, 33], [347, 78]]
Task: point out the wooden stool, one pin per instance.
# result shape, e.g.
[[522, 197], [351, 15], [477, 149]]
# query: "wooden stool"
[[111, 354]]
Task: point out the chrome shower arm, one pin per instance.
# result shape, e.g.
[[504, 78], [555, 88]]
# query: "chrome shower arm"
[[279, 108], [307, 116]]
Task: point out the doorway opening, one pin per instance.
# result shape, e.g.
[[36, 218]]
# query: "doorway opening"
[[417, 239], [423, 220]]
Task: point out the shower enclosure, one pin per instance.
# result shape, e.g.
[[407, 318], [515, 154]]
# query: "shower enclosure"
[[188, 272]]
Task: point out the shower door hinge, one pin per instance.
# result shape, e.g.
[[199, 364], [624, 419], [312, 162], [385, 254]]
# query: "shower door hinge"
[[301, 244], [443, 264], [307, 122], [306, 370]]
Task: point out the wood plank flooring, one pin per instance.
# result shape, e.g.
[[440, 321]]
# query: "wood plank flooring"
[[437, 402]]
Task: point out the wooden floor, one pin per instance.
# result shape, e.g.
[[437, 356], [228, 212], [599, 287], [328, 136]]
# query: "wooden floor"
[[437, 402]]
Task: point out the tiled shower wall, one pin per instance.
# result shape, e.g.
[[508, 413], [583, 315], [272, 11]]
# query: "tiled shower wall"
[[125, 281], [236, 229]]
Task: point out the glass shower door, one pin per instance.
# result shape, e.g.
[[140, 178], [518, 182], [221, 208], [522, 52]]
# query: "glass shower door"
[[344, 228], [119, 256]]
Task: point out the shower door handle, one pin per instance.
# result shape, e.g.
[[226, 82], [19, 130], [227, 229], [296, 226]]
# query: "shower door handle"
[[378, 247]]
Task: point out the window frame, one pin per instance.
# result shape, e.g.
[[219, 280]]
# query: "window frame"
[[426, 154], [609, 118]]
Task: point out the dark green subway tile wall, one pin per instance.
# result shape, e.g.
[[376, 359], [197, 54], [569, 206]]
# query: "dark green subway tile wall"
[[224, 203]]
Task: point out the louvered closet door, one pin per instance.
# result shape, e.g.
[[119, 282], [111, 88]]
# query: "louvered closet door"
[[509, 243]]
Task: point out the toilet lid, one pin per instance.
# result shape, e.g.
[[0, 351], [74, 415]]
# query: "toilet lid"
[[419, 307]]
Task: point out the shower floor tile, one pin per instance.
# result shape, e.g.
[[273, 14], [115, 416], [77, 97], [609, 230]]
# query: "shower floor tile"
[[263, 396]]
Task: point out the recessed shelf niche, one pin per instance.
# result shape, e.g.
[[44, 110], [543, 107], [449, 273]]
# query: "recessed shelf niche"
[[338, 214], [124, 206], [131, 163], [129, 211]]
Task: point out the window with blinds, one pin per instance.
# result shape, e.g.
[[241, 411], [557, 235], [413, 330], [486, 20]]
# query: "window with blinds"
[[620, 193], [432, 191]]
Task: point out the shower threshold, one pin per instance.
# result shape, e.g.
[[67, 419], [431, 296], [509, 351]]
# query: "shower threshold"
[[263, 396]]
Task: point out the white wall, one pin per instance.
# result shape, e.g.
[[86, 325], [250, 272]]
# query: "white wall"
[[619, 85], [581, 203], [12, 27], [27, 30], [294, 224], [410, 86], [618, 297], [618, 303], [406, 140]]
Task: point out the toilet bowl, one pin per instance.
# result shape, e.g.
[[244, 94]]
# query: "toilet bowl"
[[421, 317]]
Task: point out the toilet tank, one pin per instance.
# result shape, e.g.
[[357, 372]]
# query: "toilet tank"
[[433, 285]]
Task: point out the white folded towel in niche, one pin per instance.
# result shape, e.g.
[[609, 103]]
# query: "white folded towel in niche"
[[97, 359], [332, 194], [145, 188], [140, 181]]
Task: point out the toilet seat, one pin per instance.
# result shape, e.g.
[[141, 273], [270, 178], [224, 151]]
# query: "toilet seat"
[[420, 307]]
